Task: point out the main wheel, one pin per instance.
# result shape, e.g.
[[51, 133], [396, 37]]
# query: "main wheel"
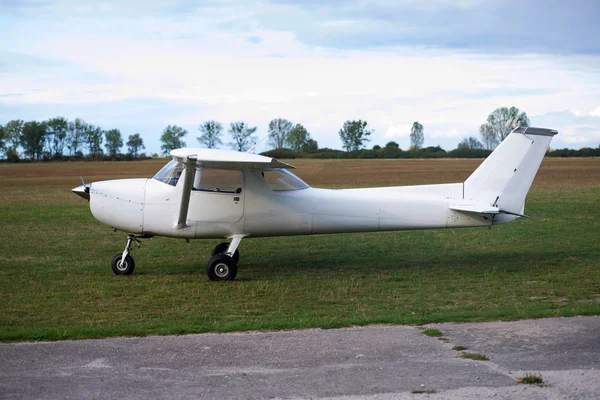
[[122, 268], [221, 248], [221, 268]]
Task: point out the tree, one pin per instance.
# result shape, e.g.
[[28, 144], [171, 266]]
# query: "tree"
[[114, 141], [56, 136], [13, 131], [171, 138], [135, 143], [354, 134], [76, 135], [392, 145], [310, 146], [298, 137], [417, 138], [32, 139], [500, 123], [211, 133], [2, 139], [470, 143], [278, 132], [242, 136], [94, 137]]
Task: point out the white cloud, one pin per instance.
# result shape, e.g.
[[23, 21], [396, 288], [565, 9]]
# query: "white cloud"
[[400, 130], [578, 113], [580, 133], [451, 133], [574, 130]]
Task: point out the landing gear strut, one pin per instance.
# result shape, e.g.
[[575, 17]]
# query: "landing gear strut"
[[223, 264], [123, 264], [221, 248]]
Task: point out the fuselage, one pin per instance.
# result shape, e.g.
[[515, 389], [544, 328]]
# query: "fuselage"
[[150, 207]]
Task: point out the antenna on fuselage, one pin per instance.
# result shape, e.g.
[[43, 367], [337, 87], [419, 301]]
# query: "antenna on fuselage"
[[257, 143]]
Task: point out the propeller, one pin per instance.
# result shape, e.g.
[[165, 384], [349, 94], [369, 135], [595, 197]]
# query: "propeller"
[[83, 190]]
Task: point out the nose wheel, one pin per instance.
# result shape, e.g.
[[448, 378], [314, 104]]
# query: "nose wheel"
[[122, 263], [121, 267]]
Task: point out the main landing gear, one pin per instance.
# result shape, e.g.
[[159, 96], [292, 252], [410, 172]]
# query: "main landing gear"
[[222, 266]]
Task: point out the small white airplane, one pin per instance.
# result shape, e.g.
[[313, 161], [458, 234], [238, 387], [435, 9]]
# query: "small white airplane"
[[205, 193]]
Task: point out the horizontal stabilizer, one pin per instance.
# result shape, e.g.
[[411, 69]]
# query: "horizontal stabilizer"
[[477, 209]]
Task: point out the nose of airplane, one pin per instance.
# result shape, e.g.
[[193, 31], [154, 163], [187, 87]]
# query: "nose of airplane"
[[119, 203], [83, 191]]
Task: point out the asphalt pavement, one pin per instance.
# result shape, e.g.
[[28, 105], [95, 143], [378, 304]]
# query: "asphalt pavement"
[[374, 362]]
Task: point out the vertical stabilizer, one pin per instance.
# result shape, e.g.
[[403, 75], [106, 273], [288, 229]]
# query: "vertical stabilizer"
[[504, 178]]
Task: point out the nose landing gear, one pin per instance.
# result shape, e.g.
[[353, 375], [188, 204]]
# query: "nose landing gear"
[[123, 264]]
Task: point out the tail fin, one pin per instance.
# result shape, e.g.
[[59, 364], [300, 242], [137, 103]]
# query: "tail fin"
[[504, 178]]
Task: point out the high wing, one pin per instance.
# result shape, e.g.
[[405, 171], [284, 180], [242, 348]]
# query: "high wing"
[[193, 158], [223, 159]]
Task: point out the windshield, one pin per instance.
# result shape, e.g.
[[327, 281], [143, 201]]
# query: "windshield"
[[282, 179], [170, 173]]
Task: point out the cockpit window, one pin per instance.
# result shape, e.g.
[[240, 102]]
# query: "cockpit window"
[[170, 173], [282, 179]]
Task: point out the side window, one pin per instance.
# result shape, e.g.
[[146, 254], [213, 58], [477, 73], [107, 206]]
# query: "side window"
[[283, 180], [221, 180]]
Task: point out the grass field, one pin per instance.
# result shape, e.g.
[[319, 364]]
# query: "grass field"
[[56, 281]]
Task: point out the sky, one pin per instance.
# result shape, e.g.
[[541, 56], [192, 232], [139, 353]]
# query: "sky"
[[141, 65]]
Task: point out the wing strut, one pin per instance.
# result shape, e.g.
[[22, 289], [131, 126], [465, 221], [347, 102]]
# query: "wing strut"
[[186, 190]]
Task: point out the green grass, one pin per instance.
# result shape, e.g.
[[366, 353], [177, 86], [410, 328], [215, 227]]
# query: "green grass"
[[424, 391], [474, 356], [432, 332], [459, 348], [531, 379], [56, 281]]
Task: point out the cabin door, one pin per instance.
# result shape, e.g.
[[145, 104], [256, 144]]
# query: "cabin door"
[[217, 195]]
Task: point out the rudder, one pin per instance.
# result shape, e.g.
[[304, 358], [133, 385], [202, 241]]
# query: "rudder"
[[504, 178]]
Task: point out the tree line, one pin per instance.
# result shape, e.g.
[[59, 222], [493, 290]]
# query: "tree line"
[[354, 135], [282, 134], [58, 138]]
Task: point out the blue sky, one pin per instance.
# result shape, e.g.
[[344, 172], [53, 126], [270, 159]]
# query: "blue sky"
[[141, 65]]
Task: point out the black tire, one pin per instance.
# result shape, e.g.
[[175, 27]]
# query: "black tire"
[[221, 248], [125, 268], [221, 268]]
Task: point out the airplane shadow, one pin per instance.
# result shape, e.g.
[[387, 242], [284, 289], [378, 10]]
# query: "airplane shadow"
[[397, 262]]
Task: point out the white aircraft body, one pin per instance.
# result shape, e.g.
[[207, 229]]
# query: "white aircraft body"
[[206, 193]]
